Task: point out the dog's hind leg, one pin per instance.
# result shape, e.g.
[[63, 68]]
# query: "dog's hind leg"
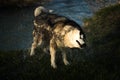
[[52, 53], [34, 45]]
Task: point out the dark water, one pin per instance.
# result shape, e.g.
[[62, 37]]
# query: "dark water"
[[16, 24]]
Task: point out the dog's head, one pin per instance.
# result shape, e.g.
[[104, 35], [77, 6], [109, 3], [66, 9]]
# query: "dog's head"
[[75, 39]]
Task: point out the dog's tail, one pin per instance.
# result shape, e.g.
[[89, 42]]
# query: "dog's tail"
[[40, 10]]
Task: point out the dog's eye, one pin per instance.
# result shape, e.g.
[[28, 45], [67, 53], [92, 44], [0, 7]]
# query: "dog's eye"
[[81, 36]]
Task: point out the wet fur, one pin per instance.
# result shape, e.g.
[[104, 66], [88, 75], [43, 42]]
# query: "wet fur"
[[49, 33]]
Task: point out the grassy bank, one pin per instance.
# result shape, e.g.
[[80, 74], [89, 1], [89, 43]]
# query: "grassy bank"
[[99, 61], [15, 65], [103, 31], [103, 37]]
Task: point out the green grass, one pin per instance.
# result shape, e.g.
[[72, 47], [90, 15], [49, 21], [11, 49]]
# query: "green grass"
[[103, 36], [17, 65]]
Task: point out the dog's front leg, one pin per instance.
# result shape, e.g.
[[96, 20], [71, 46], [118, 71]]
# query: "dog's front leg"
[[52, 53], [64, 56]]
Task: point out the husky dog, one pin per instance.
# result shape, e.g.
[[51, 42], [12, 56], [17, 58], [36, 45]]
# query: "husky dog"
[[52, 32]]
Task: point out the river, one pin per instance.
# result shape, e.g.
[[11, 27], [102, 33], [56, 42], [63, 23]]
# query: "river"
[[16, 24]]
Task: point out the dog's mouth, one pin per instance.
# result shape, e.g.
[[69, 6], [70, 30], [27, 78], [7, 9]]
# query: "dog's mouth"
[[81, 45], [78, 42]]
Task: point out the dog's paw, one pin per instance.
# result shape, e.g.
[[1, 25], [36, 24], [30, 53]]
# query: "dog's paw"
[[54, 66], [32, 53], [66, 62]]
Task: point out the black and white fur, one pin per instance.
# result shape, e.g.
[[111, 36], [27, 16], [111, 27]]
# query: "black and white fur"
[[52, 32]]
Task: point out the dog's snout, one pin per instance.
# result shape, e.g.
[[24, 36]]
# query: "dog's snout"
[[83, 45]]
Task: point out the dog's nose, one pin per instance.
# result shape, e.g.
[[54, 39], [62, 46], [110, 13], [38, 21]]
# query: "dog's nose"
[[83, 45]]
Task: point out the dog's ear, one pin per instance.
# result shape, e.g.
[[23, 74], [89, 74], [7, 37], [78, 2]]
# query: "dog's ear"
[[50, 11]]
